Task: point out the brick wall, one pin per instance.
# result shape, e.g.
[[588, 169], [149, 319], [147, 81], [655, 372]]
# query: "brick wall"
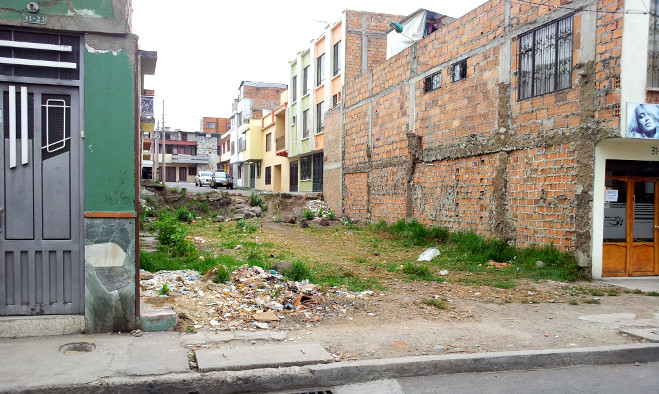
[[471, 155], [263, 97]]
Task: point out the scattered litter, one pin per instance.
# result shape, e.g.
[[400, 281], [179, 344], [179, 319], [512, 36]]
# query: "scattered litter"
[[253, 298], [136, 333], [497, 264], [428, 254], [443, 272]]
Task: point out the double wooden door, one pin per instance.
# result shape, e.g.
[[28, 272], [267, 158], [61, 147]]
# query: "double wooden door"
[[631, 226]]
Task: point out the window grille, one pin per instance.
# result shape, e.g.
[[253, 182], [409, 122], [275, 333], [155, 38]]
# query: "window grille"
[[432, 82], [545, 63], [459, 70], [305, 168], [268, 175], [39, 55]]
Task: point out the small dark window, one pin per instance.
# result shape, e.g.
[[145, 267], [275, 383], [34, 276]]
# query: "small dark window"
[[459, 70], [320, 70], [432, 82], [268, 142], [320, 117], [306, 122], [305, 168], [337, 59], [258, 169], [305, 80], [192, 171], [294, 89], [268, 175]]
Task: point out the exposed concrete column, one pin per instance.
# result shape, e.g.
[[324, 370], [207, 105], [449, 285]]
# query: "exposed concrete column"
[[364, 67]]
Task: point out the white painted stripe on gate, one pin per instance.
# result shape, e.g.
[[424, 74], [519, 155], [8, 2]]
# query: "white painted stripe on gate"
[[24, 110], [12, 126]]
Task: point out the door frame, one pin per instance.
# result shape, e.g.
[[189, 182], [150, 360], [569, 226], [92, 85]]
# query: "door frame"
[[613, 249]]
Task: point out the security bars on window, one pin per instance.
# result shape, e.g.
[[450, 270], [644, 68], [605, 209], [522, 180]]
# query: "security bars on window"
[[545, 59]]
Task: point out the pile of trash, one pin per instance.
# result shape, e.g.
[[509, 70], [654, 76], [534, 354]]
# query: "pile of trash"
[[253, 298]]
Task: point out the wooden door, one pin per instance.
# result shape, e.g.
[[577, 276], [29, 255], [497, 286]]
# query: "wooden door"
[[631, 226]]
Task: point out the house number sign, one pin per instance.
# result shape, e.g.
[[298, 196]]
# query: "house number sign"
[[654, 150], [29, 18]]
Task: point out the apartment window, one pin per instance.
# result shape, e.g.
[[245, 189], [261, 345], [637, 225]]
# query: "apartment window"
[[184, 137], [294, 90], [320, 70], [545, 59], [432, 82], [320, 117], [459, 70], [305, 80], [233, 147], [305, 168], [336, 99], [168, 136], [306, 120], [242, 144], [258, 169], [337, 59], [268, 142], [268, 175], [210, 125], [228, 126], [192, 171]]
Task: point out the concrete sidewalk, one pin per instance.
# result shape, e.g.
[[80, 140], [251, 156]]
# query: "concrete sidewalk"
[[161, 362]]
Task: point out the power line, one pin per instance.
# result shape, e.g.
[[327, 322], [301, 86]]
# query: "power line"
[[582, 9]]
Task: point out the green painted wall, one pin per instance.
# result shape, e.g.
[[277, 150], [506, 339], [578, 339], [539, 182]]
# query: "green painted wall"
[[12, 9], [109, 132], [305, 186]]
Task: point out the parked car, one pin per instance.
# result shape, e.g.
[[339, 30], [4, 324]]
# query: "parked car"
[[221, 179], [203, 178]]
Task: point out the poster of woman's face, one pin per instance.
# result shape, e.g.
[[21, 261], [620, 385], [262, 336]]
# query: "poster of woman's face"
[[642, 120]]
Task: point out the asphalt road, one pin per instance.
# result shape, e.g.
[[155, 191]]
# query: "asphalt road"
[[613, 379]]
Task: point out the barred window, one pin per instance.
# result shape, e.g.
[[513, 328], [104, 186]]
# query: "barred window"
[[305, 168], [432, 82], [268, 175], [459, 70], [545, 59]]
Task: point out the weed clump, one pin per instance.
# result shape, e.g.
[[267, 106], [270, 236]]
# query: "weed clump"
[[299, 271], [223, 275], [171, 236]]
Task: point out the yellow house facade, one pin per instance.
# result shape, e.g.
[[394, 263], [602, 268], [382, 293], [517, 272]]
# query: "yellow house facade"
[[275, 175]]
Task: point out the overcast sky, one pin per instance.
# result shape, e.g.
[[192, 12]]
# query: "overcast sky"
[[206, 48]]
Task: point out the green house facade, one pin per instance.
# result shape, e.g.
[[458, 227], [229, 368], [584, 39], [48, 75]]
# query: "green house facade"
[[69, 73]]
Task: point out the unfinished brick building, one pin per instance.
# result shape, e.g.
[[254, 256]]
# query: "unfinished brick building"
[[507, 121]]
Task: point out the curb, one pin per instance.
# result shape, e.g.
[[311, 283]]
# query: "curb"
[[341, 373]]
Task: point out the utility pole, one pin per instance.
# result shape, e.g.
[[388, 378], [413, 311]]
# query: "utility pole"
[[155, 142], [162, 175]]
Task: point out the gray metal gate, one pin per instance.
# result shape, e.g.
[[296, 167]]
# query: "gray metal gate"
[[41, 265]]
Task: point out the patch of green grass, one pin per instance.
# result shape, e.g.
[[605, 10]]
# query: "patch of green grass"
[[436, 303], [596, 292], [416, 271], [652, 293], [159, 261], [486, 280], [591, 301], [360, 260], [573, 302], [414, 233], [299, 271], [613, 292], [638, 291]]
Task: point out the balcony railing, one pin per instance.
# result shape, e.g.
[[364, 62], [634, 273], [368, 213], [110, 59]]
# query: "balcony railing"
[[146, 103], [280, 143]]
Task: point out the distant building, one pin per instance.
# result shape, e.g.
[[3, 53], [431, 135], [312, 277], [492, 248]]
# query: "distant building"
[[253, 99]]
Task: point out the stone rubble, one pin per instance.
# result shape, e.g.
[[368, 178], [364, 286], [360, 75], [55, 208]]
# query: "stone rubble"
[[254, 298]]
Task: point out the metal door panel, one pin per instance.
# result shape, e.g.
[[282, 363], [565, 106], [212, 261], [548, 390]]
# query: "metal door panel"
[[41, 270], [293, 182], [317, 185]]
